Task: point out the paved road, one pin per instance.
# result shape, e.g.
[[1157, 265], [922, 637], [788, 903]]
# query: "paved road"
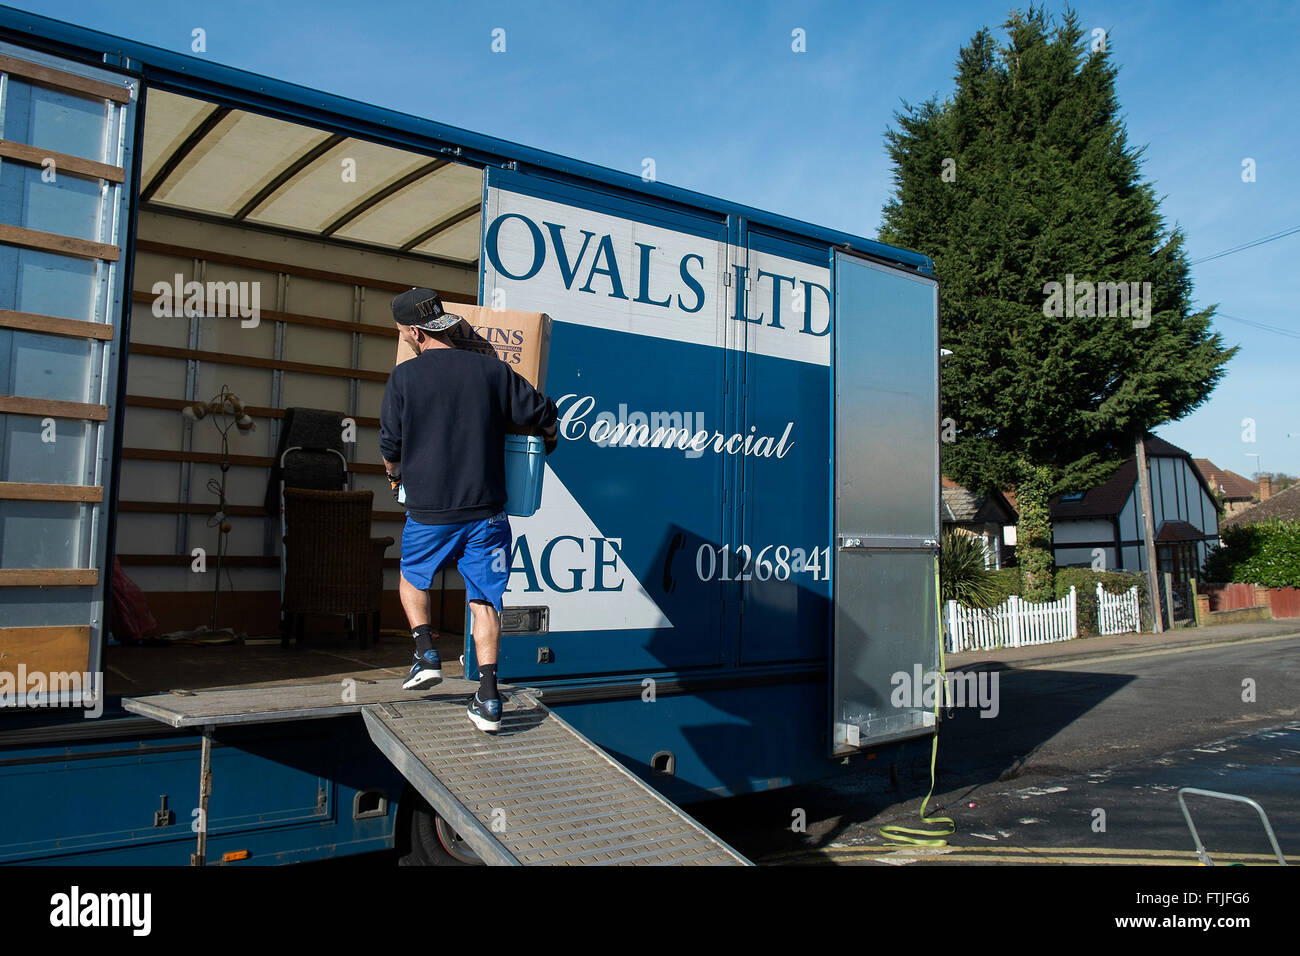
[[1118, 732], [1123, 814]]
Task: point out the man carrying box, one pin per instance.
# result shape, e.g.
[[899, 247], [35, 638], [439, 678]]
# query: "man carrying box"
[[442, 428]]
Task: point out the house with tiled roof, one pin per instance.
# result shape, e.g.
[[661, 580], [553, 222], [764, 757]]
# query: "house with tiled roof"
[[1102, 525], [1285, 506], [1236, 492], [984, 515]]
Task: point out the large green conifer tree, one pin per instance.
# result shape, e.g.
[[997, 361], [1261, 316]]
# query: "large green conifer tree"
[[1022, 178]]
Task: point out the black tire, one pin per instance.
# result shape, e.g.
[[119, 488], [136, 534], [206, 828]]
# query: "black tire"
[[427, 839]]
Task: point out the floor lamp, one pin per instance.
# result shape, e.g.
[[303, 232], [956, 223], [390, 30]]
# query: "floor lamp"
[[226, 411]]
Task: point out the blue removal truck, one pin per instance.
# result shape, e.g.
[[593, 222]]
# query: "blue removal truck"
[[736, 547]]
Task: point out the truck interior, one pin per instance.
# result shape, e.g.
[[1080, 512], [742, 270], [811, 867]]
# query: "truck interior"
[[319, 231]]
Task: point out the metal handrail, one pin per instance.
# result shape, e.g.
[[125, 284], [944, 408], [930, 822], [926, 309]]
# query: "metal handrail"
[[318, 450], [1236, 798]]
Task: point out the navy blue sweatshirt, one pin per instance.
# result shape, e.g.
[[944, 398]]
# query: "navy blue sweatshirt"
[[443, 422]]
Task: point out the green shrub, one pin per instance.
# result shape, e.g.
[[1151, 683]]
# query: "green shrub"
[[1267, 554], [962, 575], [1034, 532], [1085, 591], [1006, 581]]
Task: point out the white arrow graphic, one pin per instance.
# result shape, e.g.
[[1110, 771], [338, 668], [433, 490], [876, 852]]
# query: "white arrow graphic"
[[560, 516]]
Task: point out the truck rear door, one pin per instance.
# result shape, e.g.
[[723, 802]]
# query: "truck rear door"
[[66, 134], [619, 570], [781, 559], [886, 479]]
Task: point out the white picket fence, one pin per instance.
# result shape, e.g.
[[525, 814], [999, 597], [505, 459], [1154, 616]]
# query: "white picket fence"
[[1014, 623], [1118, 613]]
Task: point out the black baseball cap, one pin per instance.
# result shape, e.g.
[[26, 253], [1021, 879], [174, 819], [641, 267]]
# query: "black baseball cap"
[[423, 309]]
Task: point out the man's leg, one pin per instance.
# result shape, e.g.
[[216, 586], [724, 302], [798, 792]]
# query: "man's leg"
[[485, 706], [414, 602], [424, 549], [485, 566], [427, 669], [487, 632]]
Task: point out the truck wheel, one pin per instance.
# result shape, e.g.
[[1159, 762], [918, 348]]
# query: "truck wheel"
[[431, 841]]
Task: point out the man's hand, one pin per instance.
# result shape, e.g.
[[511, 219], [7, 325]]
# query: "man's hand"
[[550, 439], [395, 481]]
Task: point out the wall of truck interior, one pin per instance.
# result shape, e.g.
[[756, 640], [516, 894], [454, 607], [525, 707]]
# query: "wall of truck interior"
[[327, 229]]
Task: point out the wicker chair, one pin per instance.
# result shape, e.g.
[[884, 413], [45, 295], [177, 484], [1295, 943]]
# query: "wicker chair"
[[332, 564]]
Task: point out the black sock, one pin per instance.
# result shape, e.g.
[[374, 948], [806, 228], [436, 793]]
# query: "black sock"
[[487, 688], [423, 638]]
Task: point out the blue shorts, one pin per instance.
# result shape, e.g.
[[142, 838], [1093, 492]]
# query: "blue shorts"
[[480, 548]]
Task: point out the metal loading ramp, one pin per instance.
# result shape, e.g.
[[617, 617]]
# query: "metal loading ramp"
[[537, 792]]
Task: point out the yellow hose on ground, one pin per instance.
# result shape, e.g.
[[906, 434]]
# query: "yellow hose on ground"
[[917, 836]]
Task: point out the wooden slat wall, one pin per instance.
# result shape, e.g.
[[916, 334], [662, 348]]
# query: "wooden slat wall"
[[293, 318], [59, 80], [252, 461], [44, 649], [64, 163], [257, 411], [48, 577], [54, 648], [223, 358], [232, 560], [37, 491], [232, 511], [76, 328], [63, 245], [43, 407], [304, 360], [258, 612]]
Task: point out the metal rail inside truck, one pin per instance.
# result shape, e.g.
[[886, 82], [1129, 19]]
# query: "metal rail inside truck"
[[736, 548]]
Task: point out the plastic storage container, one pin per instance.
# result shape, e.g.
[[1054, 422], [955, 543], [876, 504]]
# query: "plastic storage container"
[[524, 457]]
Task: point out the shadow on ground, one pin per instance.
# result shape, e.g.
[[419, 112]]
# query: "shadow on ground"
[[1033, 706]]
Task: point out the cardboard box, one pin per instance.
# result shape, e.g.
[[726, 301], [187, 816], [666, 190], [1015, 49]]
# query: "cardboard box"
[[520, 339]]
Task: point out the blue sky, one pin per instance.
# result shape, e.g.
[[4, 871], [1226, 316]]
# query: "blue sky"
[[715, 95]]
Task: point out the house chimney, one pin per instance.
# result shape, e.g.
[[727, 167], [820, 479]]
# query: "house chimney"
[[1265, 487]]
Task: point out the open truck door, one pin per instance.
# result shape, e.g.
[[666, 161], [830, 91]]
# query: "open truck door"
[[886, 494], [65, 205]]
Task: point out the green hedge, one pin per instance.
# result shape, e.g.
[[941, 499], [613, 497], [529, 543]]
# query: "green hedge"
[[1085, 588], [1267, 554], [1007, 581]]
